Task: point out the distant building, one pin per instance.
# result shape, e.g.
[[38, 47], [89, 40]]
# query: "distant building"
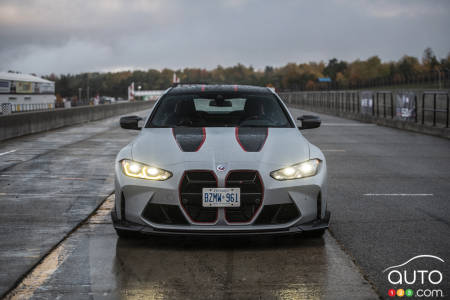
[[26, 92], [151, 95]]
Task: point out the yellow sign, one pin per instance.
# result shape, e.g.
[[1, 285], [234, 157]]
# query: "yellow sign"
[[24, 87]]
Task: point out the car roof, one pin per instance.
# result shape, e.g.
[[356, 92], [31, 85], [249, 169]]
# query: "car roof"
[[217, 88]]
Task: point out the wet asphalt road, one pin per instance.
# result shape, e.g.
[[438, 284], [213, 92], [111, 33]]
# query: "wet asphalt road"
[[389, 193], [49, 183], [93, 264], [369, 166]]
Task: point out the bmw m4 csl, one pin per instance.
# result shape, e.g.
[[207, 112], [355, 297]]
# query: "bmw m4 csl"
[[220, 160]]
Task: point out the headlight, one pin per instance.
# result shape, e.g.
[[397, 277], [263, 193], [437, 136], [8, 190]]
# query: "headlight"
[[138, 170], [305, 169]]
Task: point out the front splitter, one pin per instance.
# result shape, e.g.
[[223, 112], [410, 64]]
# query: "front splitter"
[[316, 225]]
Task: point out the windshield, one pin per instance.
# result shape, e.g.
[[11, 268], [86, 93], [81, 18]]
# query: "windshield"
[[219, 110]]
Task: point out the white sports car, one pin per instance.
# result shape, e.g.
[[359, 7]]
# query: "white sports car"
[[220, 160]]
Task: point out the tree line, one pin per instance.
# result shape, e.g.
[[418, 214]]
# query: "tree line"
[[292, 76]]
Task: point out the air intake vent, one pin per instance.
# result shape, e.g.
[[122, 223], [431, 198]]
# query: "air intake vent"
[[164, 214], [191, 186], [277, 214], [252, 193]]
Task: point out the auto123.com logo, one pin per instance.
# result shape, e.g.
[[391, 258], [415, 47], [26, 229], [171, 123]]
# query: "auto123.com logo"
[[417, 282]]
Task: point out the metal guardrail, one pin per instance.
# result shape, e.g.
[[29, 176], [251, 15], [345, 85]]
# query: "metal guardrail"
[[435, 110], [421, 107], [391, 103], [8, 108], [32, 107], [14, 125]]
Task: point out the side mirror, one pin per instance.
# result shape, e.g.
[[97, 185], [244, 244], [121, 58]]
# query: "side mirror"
[[309, 122], [130, 122]]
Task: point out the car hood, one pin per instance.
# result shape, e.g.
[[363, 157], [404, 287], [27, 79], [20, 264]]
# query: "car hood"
[[209, 147]]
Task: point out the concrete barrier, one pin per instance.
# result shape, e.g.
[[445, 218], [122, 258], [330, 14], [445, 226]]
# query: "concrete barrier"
[[415, 110], [20, 124]]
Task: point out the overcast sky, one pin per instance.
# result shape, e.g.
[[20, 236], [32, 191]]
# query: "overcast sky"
[[72, 36]]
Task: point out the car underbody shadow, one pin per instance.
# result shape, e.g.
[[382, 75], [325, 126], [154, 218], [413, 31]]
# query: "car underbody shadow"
[[218, 242]]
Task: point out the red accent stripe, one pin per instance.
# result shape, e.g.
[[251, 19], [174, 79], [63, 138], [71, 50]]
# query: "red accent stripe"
[[235, 88], [203, 88], [201, 143], [262, 196], [236, 133], [203, 139], [181, 202], [175, 138]]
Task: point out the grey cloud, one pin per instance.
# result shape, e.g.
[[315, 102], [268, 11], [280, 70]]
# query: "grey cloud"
[[75, 36]]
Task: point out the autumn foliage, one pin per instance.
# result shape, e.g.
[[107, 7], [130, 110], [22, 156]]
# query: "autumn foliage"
[[292, 76]]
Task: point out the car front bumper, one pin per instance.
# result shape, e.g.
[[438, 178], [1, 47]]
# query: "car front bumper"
[[307, 195], [316, 225]]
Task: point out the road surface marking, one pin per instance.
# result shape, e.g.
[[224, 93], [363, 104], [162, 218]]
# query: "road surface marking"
[[347, 124], [40, 274], [400, 195], [4, 153]]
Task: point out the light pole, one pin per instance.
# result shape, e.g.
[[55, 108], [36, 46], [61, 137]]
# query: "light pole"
[[446, 76], [439, 72], [79, 95], [87, 88]]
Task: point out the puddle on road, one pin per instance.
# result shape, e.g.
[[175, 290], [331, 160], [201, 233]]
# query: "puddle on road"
[[94, 263]]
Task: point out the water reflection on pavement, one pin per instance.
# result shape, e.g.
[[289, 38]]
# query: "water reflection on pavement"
[[94, 263]]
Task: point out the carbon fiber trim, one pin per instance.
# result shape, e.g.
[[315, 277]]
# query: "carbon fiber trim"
[[252, 139], [189, 139]]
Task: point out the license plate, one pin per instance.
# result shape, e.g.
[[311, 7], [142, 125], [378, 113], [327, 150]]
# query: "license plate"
[[221, 197]]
